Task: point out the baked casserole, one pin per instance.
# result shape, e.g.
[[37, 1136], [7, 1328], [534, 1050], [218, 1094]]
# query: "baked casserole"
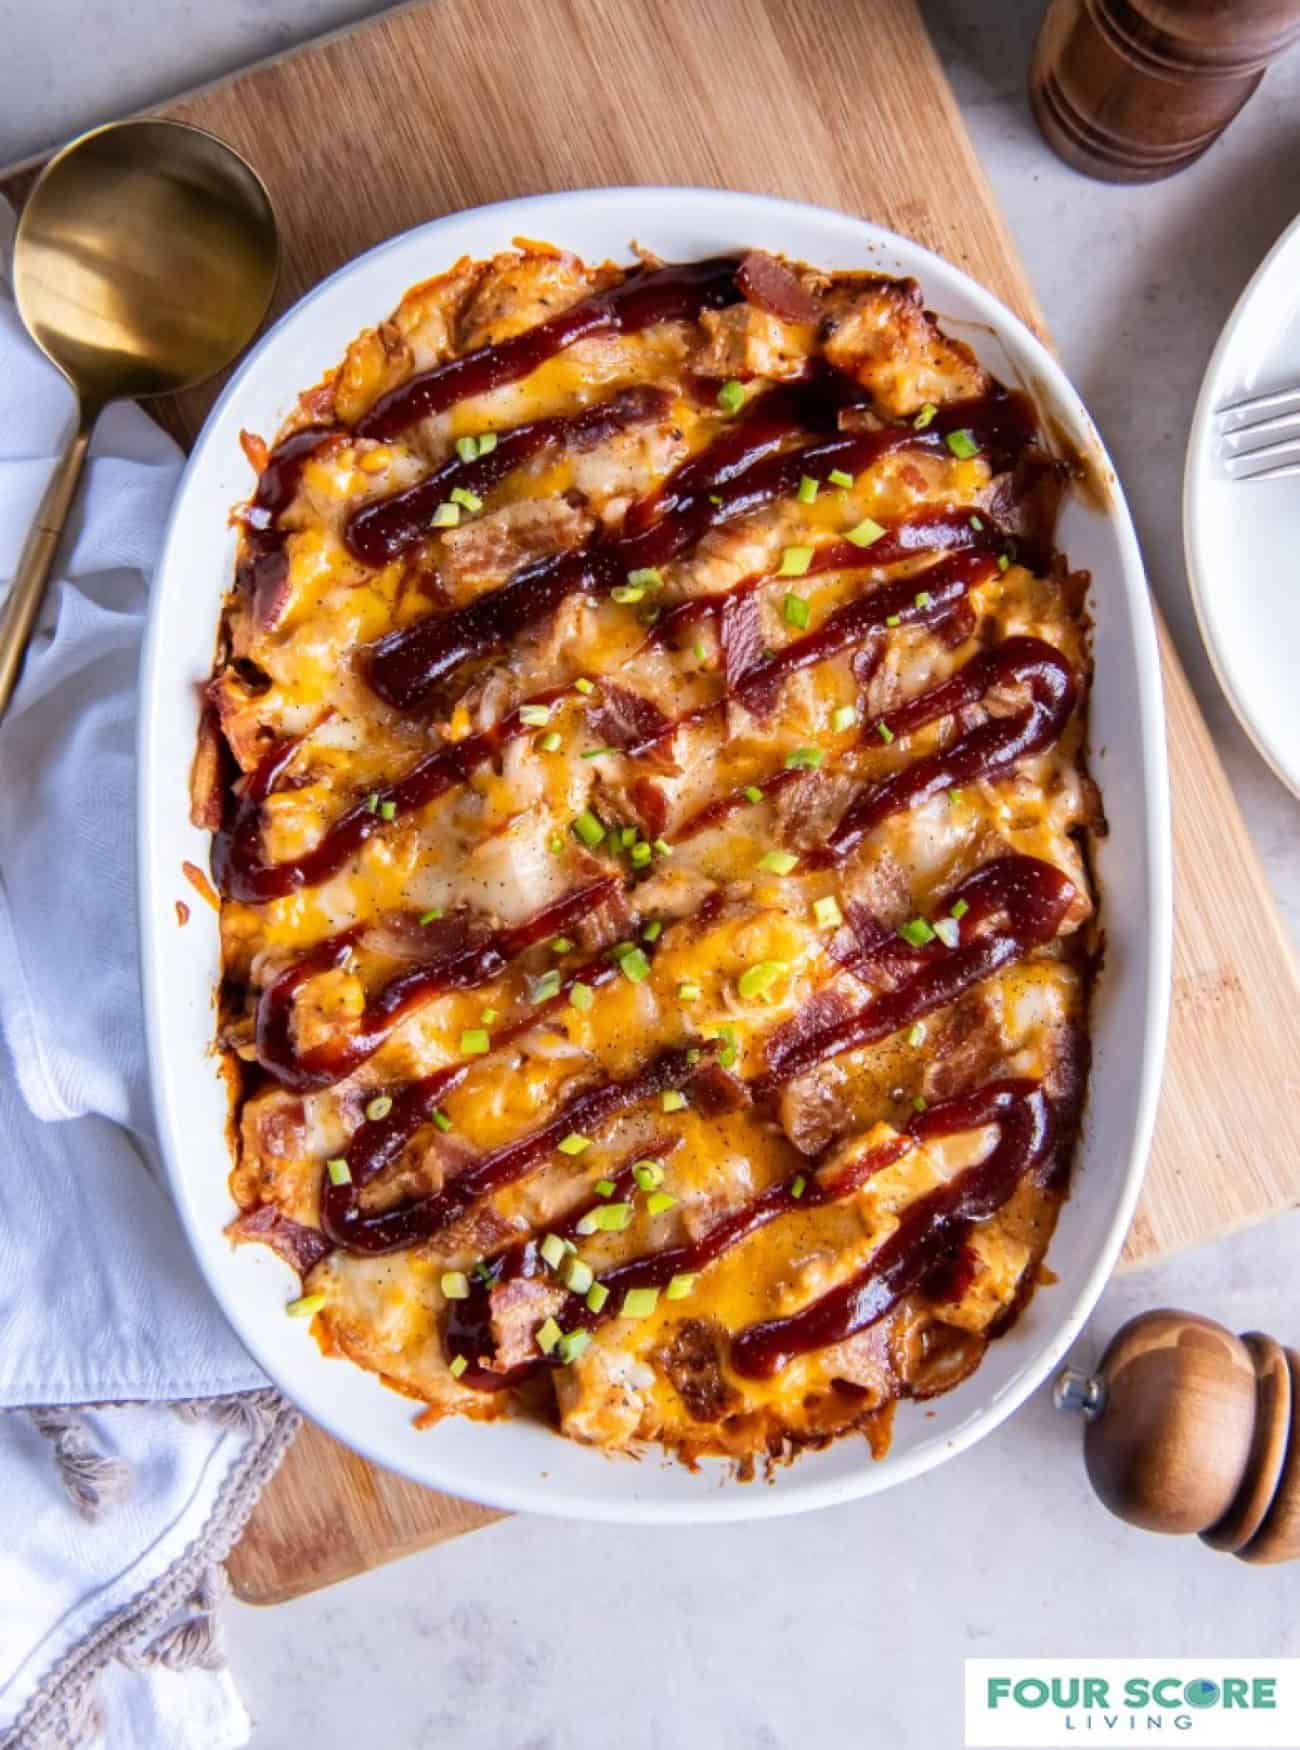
[[645, 756]]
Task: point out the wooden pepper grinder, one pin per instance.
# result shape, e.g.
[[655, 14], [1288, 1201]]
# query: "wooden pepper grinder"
[[1132, 90], [1190, 1429]]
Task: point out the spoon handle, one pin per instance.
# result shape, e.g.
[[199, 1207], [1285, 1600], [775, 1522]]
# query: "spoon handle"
[[18, 614]]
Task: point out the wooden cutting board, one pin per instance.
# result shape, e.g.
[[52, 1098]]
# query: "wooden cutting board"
[[445, 106]]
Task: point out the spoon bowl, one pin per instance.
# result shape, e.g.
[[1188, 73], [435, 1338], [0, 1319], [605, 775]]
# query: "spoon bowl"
[[144, 260]]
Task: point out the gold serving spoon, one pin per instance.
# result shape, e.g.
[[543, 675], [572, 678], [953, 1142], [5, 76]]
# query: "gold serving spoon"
[[144, 260]]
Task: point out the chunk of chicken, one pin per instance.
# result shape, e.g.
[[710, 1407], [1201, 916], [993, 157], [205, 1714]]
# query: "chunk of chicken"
[[887, 341], [484, 553], [746, 342]]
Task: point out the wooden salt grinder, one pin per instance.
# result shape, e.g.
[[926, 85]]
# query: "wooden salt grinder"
[[1132, 90], [1190, 1429]]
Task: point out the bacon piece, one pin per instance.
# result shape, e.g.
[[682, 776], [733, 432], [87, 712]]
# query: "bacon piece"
[[301, 1247], [517, 1308], [825, 1008], [627, 720], [651, 807], [740, 634], [692, 1359], [715, 1090], [206, 788], [771, 285]]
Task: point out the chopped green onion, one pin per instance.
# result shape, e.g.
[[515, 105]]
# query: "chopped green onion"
[[701, 654], [653, 930], [924, 599], [583, 685], [379, 1107], [551, 742], [794, 610], [432, 915], [916, 1034], [885, 733], [581, 996], [578, 1276], [715, 498], [757, 980], [662, 848], [474, 1042], [483, 1273], [955, 796], [924, 417], [838, 477], [627, 836], [441, 1119], [372, 802], [893, 619], [752, 793], [305, 1306], [597, 753], [794, 563], [688, 991], [731, 396], [672, 1101], [827, 912], [727, 1056], [574, 1144], [958, 910], [459, 1363], [694, 1055], [388, 811], [447, 516], [626, 592], [553, 1250], [648, 1175], [659, 1201], [470, 500], [535, 716], [918, 1104], [679, 1286], [589, 829], [488, 1016], [571, 1345], [1003, 562], [555, 844], [962, 444], [455, 1285], [597, 1295], [610, 1218], [804, 759], [560, 945], [865, 533], [916, 933], [808, 489], [640, 855], [634, 966], [948, 931], [467, 448], [604, 1187], [798, 1185], [547, 1335], [845, 717], [639, 1303], [648, 576], [487, 443], [977, 524], [339, 1171], [778, 862]]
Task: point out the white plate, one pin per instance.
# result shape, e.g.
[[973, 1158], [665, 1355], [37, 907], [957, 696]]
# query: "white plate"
[[519, 1464], [1243, 536]]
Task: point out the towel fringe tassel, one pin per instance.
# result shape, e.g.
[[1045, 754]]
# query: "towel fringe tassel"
[[95, 1481]]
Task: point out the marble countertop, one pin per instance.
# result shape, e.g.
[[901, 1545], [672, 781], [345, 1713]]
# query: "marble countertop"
[[539, 1634]]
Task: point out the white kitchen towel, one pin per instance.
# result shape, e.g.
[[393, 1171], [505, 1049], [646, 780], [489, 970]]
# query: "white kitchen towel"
[[116, 1503]]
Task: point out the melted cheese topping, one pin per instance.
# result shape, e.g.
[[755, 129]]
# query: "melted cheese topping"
[[501, 847]]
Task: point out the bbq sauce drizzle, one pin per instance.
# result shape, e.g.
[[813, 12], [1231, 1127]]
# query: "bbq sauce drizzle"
[[456, 962], [1031, 897], [929, 1230], [242, 873]]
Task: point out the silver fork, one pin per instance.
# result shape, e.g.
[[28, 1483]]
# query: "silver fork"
[[1259, 437]]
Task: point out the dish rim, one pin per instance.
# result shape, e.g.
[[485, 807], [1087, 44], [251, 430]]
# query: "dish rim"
[[546, 216]]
